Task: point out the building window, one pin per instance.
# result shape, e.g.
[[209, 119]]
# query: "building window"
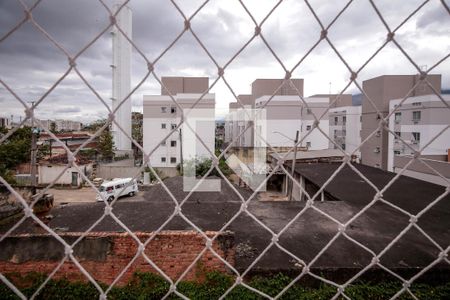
[[397, 152], [308, 145], [344, 120], [163, 159], [173, 160], [398, 117], [398, 135], [416, 137], [335, 133], [173, 126], [163, 125], [173, 110], [343, 146], [173, 143], [416, 116], [417, 103], [308, 127], [344, 132], [336, 119], [163, 109]]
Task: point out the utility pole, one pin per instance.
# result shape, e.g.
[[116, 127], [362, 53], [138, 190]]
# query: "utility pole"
[[33, 153], [293, 166]]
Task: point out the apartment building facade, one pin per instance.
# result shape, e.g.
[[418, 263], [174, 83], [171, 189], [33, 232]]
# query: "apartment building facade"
[[239, 117], [416, 123], [5, 122], [380, 90], [161, 116], [285, 115], [345, 128]]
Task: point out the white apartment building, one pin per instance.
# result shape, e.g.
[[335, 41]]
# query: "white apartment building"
[[161, 116], [5, 123], [287, 114], [417, 121], [345, 128]]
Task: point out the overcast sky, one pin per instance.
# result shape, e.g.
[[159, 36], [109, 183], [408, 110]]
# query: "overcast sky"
[[30, 64]]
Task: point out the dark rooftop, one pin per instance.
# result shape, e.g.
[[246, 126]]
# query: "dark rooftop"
[[306, 236]]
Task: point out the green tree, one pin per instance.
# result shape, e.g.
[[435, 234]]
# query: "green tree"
[[203, 165], [105, 145], [14, 150], [94, 126], [53, 127]]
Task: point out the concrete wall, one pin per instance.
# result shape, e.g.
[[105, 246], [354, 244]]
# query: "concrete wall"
[[264, 87], [180, 85], [110, 172], [421, 171], [105, 254], [343, 100], [48, 173]]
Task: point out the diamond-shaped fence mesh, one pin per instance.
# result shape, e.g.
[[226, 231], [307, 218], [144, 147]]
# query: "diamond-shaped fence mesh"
[[383, 191]]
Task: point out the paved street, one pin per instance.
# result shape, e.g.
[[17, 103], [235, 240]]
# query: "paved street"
[[83, 195]]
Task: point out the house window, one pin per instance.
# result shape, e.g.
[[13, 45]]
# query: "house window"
[[173, 143], [308, 127], [173, 160], [308, 145], [163, 159], [336, 119], [416, 136], [173, 110], [398, 117], [163, 125], [163, 109], [344, 120], [173, 126], [416, 116]]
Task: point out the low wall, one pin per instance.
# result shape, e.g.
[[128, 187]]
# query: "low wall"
[[105, 254], [109, 172]]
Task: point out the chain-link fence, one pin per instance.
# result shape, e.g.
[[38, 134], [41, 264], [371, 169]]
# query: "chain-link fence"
[[274, 236]]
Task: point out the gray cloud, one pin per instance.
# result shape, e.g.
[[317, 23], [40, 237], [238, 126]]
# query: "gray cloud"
[[30, 64]]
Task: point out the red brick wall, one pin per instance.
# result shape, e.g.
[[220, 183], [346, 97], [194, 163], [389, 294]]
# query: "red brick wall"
[[171, 251]]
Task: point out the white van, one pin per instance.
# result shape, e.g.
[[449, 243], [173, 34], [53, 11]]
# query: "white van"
[[116, 188]]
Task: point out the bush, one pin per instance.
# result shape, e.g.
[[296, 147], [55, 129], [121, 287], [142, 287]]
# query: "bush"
[[151, 286]]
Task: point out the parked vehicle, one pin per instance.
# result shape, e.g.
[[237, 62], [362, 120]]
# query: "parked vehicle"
[[116, 188]]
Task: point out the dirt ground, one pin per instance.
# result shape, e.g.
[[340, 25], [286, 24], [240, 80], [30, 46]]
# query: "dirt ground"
[[83, 195]]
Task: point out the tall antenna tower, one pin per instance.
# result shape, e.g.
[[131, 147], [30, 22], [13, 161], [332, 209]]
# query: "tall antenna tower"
[[121, 77]]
